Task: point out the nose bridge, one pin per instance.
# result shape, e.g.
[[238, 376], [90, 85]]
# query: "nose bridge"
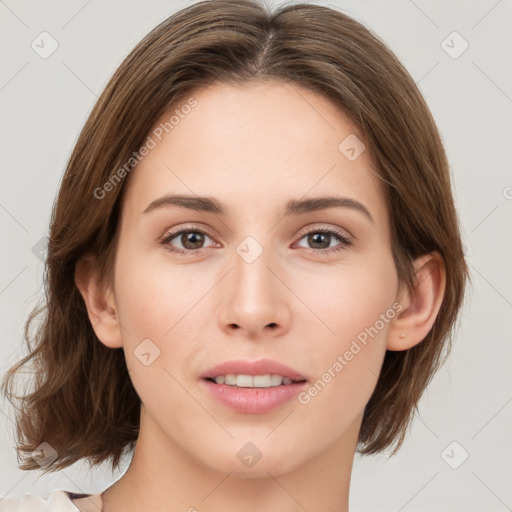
[[251, 267]]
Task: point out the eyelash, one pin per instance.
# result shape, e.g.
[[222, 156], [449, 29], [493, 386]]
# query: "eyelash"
[[345, 241]]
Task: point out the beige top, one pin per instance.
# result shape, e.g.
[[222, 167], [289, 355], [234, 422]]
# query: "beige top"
[[57, 501]]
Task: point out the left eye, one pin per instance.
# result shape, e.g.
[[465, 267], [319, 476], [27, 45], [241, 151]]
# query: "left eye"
[[324, 236]]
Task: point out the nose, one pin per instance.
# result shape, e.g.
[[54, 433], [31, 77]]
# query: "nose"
[[255, 298]]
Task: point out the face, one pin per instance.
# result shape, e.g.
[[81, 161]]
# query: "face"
[[311, 288]]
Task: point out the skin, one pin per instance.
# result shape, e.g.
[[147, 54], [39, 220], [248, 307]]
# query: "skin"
[[252, 148]]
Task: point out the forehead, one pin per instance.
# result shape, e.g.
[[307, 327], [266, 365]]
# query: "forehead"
[[255, 145]]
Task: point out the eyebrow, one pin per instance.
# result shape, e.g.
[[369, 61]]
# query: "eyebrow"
[[293, 207]]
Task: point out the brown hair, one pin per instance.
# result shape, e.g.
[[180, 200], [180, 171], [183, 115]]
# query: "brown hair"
[[83, 403]]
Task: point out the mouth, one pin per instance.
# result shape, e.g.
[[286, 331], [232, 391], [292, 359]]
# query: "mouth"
[[254, 381], [262, 373], [253, 387]]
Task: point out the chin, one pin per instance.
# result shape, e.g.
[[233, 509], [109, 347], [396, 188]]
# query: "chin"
[[271, 459]]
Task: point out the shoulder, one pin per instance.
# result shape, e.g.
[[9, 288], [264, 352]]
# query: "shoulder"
[[57, 501]]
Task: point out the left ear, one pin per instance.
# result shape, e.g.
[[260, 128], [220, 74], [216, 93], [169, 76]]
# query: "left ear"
[[420, 306]]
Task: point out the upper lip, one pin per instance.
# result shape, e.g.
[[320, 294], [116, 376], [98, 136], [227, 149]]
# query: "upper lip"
[[259, 367]]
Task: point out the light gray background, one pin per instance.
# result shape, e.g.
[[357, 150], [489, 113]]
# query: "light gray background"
[[45, 103]]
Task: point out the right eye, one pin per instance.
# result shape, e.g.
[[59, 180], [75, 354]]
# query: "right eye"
[[191, 240]]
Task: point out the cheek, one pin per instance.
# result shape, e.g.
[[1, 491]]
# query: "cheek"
[[157, 316], [152, 294], [167, 304], [350, 309], [342, 301]]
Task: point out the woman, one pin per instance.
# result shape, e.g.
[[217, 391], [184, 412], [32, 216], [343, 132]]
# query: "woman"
[[254, 268]]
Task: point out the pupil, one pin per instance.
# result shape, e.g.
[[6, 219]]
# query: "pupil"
[[315, 238], [192, 238]]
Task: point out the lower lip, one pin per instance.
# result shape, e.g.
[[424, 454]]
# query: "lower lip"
[[253, 400]]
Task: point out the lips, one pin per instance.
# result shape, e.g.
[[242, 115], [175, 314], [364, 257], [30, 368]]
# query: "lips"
[[255, 399], [259, 367]]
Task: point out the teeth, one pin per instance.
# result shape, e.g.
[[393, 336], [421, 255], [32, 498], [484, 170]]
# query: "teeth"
[[253, 381]]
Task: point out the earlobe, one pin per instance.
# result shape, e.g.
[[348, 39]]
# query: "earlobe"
[[420, 305], [100, 304]]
